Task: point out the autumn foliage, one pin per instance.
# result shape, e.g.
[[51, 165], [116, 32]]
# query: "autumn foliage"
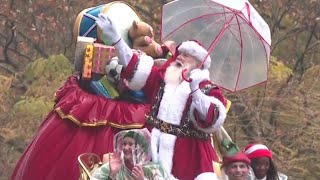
[[37, 52]]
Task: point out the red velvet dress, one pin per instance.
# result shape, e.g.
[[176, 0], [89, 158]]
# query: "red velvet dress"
[[80, 122]]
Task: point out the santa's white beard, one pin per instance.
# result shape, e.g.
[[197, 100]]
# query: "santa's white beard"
[[173, 74]]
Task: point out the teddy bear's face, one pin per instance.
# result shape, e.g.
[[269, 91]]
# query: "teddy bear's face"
[[140, 28], [142, 37]]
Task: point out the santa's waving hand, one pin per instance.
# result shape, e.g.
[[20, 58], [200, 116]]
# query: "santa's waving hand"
[[110, 32]]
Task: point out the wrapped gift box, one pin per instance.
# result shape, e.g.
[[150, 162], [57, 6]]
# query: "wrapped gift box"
[[97, 88], [87, 66], [80, 50], [102, 54], [109, 87]]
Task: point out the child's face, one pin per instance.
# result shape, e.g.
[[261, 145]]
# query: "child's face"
[[127, 147], [261, 166], [237, 171]]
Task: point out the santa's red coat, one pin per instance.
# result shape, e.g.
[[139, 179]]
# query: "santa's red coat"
[[191, 156]]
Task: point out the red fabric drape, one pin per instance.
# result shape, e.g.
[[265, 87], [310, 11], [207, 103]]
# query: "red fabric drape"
[[80, 122]]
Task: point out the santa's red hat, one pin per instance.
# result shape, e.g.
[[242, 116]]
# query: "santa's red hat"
[[196, 50], [254, 151], [238, 157]]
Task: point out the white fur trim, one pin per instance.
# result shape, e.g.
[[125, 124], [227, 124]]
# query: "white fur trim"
[[256, 147], [196, 50], [222, 113], [142, 72], [171, 110], [173, 102], [155, 137], [207, 176], [166, 151], [162, 146]]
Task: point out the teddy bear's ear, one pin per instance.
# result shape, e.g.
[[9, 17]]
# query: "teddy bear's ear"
[[151, 31], [135, 24]]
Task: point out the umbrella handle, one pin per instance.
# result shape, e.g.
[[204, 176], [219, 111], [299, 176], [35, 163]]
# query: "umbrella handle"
[[184, 76]]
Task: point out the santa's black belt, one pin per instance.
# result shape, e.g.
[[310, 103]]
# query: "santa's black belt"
[[180, 131]]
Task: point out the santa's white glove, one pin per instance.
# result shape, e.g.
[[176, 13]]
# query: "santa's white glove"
[[109, 29], [197, 76], [199, 100], [110, 33]]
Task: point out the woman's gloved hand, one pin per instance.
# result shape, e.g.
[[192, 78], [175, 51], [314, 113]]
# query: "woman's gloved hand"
[[109, 29]]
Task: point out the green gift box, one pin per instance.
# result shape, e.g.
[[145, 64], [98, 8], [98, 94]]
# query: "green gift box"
[[109, 87]]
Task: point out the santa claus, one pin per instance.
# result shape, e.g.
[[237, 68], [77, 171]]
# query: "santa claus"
[[183, 114]]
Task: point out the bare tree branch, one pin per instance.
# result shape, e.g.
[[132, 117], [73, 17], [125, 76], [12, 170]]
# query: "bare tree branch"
[[287, 35], [5, 67], [300, 60], [280, 18], [7, 44], [34, 45]]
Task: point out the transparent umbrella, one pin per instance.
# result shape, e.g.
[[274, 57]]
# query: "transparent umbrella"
[[237, 38]]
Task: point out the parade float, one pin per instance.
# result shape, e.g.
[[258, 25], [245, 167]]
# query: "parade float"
[[95, 103]]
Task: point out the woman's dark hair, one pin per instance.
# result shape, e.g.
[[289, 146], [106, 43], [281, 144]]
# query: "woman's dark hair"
[[273, 172], [139, 139]]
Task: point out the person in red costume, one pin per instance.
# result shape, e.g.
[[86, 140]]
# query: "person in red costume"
[[263, 167], [80, 122], [236, 166], [182, 114]]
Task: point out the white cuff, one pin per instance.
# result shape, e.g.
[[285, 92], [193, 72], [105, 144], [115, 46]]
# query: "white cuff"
[[124, 52], [200, 102], [142, 73]]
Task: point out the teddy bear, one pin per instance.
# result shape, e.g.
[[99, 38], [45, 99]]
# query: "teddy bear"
[[141, 34]]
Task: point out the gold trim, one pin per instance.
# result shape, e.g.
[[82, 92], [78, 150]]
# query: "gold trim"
[[95, 124], [84, 168], [107, 7], [228, 105], [76, 26], [217, 169]]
